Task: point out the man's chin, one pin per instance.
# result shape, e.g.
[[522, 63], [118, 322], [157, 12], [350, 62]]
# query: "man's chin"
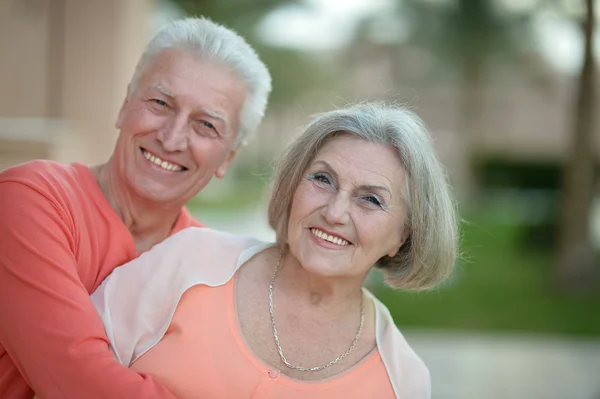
[[162, 196], [165, 194]]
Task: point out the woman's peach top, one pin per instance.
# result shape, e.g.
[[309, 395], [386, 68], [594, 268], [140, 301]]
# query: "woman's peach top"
[[171, 313]]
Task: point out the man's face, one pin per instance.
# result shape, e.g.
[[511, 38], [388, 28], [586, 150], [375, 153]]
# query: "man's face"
[[177, 128]]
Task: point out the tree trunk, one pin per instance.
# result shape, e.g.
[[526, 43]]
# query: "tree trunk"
[[576, 271]]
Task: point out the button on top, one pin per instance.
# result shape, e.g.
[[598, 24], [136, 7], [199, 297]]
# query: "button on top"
[[274, 374]]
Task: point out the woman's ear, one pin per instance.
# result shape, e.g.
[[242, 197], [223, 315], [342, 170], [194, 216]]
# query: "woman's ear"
[[403, 237]]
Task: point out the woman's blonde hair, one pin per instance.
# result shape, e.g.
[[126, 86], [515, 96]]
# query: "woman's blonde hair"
[[429, 252]]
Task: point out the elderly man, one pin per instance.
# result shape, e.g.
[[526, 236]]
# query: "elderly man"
[[197, 93]]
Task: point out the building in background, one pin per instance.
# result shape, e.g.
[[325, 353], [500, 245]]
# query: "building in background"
[[64, 73], [67, 64]]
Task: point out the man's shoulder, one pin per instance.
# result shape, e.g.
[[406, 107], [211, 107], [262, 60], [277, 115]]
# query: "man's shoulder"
[[32, 184], [43, 172]]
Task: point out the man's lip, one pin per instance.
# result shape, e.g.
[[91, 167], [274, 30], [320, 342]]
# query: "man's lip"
[[330, 233], [164, 158]]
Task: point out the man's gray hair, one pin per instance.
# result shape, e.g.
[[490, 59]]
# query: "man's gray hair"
[[207, 40], [429, 252]]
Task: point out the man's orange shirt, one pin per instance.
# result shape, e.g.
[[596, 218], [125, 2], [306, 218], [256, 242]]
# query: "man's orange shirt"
[[59, 238]]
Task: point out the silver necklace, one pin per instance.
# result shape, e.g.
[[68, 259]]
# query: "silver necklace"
[[282, 356]]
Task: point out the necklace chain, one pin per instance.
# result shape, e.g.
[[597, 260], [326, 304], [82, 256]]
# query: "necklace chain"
[[280, 350]]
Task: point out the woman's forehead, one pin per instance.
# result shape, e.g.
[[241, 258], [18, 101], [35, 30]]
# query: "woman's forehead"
[[352, 157]]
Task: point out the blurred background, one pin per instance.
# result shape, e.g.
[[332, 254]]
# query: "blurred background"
[[508, 88]]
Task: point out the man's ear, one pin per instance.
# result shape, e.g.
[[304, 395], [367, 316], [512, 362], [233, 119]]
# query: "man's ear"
[[121, 114], [222, 169]]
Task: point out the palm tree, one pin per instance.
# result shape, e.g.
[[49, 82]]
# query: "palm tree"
[[576, 268]]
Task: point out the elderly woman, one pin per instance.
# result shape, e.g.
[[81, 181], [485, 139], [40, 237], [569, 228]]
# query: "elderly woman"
[[215, 315]]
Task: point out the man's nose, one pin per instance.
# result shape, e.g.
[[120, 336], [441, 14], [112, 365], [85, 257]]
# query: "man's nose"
[[174, 136]]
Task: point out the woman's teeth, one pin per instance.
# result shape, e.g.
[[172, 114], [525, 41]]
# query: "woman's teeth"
[[330, 238]]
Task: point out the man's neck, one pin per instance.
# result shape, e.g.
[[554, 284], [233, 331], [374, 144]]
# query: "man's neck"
[[148, 223]]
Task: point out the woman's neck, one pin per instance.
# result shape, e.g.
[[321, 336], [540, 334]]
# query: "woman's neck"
[[331, 295]]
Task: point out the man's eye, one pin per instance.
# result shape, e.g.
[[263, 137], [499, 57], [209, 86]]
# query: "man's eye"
[[160, 102], [205, 129]]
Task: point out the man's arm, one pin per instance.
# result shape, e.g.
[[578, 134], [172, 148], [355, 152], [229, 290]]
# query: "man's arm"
[[48, 324]]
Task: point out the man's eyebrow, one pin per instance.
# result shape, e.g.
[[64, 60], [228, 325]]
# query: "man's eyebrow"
[[208, 112], [164, 91], [369, 187]]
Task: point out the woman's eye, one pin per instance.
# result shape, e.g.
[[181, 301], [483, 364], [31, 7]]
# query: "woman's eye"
[[373, 200], [320, 178]]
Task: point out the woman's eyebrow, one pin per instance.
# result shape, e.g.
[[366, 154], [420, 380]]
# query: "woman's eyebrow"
[[327, 166], [370, 187]]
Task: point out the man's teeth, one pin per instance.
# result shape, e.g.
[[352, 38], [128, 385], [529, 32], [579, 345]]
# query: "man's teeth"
[[163, 164], [327, 237]]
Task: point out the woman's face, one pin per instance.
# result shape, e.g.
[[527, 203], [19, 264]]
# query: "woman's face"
[[348, 210]]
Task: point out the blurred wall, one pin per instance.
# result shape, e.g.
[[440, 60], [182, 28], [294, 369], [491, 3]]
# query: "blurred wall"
[[65, 69]]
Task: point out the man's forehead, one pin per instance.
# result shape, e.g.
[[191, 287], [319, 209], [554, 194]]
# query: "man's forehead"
[[174, 73]]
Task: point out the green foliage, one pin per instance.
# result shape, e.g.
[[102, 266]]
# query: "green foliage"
[[513, 174], [467, 37], [499, 286], [246, 195], [241, 15], [462, 29], [294, 73], [248, 183]]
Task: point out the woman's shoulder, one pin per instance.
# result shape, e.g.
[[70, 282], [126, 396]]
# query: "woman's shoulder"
[[204, 242], [215, 236], [407, 371], [149, 287], [199, 254]]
